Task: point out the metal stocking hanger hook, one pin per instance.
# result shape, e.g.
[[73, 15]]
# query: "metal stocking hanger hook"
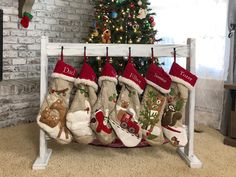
[[107, 57], [62, 57], [85, 57], [129, 58], [152, 56]]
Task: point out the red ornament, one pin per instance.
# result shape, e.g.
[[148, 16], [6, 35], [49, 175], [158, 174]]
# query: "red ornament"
[[105, 17], [132, 5], [151, 19], [153, 23]]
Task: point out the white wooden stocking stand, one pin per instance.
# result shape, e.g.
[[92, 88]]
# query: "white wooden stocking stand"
[[118, 50]]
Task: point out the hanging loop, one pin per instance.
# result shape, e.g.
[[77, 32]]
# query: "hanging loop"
[[152, 55], [129, 58], [85, 57], [107, 58], [174, 55], [62, 48]]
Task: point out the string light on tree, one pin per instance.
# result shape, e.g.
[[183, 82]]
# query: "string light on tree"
[[127, 21]]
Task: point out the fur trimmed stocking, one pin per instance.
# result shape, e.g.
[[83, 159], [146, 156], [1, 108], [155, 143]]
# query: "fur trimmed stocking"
[[153, 104], [124, 118], [172, 126], [105, 104], [52, 114], [78, 117]]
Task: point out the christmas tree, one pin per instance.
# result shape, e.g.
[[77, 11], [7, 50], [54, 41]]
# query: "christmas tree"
[[122, 21]]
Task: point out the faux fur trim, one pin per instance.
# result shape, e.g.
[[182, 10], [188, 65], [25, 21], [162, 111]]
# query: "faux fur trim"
[[86, 82], [157, 87], [131, 84], [107, 78], [62, 76], [176, 79]]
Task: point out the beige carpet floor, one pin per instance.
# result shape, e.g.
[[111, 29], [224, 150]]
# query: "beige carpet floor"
[[19, 147]]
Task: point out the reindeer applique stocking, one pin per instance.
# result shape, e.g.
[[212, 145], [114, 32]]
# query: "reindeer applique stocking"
[[78, 117], [172, 126], [153, 104], [124, 118], [105, 104], [52, 114]]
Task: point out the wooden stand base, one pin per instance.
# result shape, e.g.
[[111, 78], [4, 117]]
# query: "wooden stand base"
[[230, 141]]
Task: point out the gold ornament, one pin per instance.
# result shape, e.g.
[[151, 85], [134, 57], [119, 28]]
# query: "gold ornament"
[[95, 33]]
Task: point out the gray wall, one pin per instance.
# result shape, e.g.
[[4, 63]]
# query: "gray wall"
[[62, 21]]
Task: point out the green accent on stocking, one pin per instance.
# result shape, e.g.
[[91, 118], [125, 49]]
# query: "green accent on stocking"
[[28, 15], [151, 137], [112, 97], [179, 105], [83, 91], [150, 114], [172, 91]]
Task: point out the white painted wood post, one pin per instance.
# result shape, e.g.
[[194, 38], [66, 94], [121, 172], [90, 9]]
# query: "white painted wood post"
[[44, 153], [190, 121], [187, 153]]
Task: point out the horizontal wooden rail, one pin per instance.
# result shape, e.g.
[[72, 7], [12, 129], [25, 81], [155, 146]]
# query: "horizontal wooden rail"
[[118, 50]]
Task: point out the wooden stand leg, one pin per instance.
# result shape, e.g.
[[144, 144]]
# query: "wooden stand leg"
[[187, 153], [44, 153]]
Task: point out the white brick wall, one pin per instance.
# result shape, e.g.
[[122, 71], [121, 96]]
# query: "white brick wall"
[[61, 20]]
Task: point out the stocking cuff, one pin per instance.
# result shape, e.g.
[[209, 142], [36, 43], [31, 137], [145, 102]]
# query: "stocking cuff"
[[158, 78], [64, 71], [183, 76], [62, 76], [87, 82], [107, 78], [132, 78], [108, 73], [131, 84], [161, 89], [87, 76]]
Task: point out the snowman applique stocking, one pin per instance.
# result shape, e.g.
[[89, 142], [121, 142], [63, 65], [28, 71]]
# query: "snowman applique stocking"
[[78, 116]]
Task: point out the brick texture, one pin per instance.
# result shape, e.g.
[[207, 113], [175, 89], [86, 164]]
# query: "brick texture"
[[61, 21]]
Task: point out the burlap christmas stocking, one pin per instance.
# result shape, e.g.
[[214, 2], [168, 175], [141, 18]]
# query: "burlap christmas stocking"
[[52, 114], [153, 104], [124, 118], [78, 117], [172, 126], [105, 104]]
